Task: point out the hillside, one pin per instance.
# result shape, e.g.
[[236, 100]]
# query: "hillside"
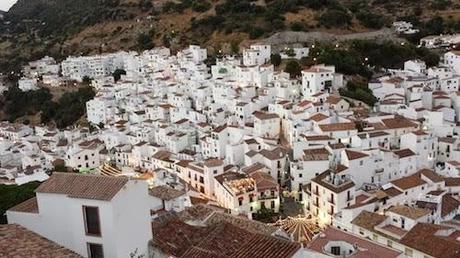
[[34, 28]]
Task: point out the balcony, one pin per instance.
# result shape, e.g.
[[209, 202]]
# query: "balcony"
[[350, 198], [330, 200]]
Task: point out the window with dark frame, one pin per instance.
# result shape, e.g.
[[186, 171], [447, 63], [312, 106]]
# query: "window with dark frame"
[[95, 250], [92, 222], [335, 250]]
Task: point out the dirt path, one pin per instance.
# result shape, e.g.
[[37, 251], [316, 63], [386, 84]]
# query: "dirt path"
[[294, 37]]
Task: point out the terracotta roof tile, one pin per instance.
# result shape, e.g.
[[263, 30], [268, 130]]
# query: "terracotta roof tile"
[[398, 122], [16, 241], [403, 153], [368, 220], [83, 186], [29, 206], [408, 182], [265, 116], [424, 238], [410, 212], [352, 155], [448, 204], [165, 192], [337, 127]]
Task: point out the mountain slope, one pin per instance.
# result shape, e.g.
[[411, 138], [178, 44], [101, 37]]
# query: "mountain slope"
[[35, 28]]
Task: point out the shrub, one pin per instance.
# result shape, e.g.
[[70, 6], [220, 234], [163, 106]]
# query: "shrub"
[[335, 18], [144, 42], [256, 32], [201, 6], [297, 26], [293, 68], [359, 91], [11, 195], [440, 4], [275, 59], [370, 20], [118, 73]]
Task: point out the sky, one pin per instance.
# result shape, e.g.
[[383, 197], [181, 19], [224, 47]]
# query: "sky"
[[6, 4]]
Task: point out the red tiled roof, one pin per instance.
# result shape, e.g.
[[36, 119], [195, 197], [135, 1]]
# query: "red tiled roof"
[[265, 116], [83, 186], [368, 220], [452, 181], [398, 122], [365, 248], [408, 182], [351, 155], [16, 241], [174, 237], [337, 127], [423, 237], [403, 153], [318, 117], [448, 205], [261, 246], [29, 206]]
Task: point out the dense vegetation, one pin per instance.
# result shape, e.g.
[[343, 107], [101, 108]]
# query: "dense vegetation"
[[52, 27], [359, 91], [266, 215], [11, 195], [364, 58], [70, 107]]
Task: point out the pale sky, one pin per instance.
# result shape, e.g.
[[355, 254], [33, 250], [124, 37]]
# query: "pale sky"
[[6, 4]]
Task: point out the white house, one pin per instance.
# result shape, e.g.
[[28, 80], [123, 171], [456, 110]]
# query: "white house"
[[94, 216]]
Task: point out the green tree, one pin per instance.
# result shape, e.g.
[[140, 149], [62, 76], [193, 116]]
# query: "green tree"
[[144, 42], [275, 59], [11, 195], [265, 215], [86, 80], [117, 74], [297, 26], [293, 68], [359, 91], [256, 32], [201, 6], [335, 19], [370, 20]]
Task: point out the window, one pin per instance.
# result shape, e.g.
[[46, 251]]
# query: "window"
[[361, 162], [95, 251], [240, 202], [335, 250], [92, 223]]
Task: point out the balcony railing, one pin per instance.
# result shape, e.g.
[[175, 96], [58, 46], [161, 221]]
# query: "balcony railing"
[[350, 198]]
